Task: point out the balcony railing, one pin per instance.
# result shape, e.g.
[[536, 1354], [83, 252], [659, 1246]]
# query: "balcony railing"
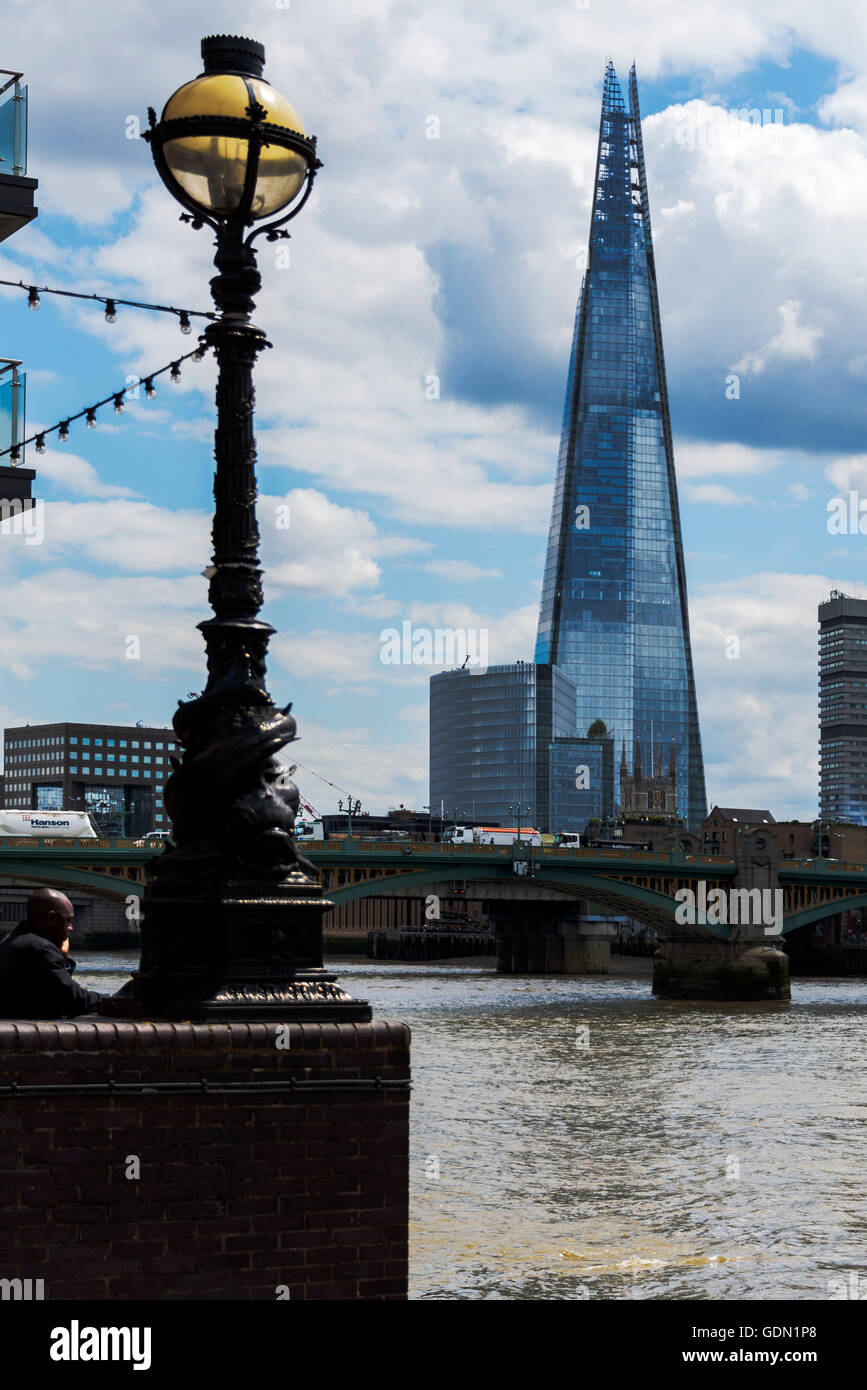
[[13, 124], [13, 387]]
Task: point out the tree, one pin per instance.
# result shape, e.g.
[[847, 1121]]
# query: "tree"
[[598, 729]]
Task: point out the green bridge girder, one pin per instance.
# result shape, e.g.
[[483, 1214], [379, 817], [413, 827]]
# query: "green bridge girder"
[[573, 874]]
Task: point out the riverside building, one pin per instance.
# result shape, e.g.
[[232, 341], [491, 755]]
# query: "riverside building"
[[114, 772], [843, 708]]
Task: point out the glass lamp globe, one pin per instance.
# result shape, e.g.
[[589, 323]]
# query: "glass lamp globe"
[[211, 168]]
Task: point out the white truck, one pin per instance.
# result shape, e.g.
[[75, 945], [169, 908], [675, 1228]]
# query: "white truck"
[[309, 830], [60, 825], [568, 839], [491, 835]]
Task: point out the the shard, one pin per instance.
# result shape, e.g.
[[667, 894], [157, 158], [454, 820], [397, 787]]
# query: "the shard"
[[614, 607]]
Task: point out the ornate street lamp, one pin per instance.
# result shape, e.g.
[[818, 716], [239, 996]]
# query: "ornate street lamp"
[[232, 924]]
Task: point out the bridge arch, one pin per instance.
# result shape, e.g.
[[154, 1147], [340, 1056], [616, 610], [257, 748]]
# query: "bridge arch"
[[825, 909], [45, 875], [649, 906]]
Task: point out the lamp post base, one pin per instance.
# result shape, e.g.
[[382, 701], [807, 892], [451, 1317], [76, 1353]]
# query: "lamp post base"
[[230, 952]]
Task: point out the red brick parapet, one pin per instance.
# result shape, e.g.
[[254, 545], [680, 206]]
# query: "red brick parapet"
[[246, 1188]]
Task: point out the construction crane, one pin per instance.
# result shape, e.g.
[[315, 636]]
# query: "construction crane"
[[308, 808]]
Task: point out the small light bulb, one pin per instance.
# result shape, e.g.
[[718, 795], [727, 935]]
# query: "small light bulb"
[[198, 353], [175, 373], [40, 443], [150, 389], [91, 419], [15, 454], [110, 311], [33, 298], [186, 326], [118, 405], [64, 430]]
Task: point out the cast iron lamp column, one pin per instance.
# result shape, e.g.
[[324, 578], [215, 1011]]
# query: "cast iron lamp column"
[[232, 924]]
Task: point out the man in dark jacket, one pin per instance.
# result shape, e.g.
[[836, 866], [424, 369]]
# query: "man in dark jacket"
[[35, 969]]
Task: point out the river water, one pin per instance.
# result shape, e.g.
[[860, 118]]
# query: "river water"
[[574, 1138]]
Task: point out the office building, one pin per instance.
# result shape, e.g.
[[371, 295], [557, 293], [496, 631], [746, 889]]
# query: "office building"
[[113, 772], [613, 614], [490, 732], [581, 781], [843, 708]]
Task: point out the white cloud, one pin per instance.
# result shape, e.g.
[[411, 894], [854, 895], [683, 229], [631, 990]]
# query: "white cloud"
[[701, 458], [848, 472], [794, 342], [383, 771], [715, 493], [759, 708], [77, 474], [312, 545], [461, 570], [66, 616]]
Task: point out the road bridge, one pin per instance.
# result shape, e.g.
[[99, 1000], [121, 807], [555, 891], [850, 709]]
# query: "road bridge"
[[543, 904]]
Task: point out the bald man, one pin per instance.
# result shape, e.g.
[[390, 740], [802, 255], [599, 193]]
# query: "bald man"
[[35, 969]]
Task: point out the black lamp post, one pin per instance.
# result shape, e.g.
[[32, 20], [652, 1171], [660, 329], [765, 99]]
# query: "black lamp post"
[[232, 923], [350, 809]]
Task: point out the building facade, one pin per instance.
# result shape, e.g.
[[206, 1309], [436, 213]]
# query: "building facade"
[[113, 772], [843, 708], [652, 791], [490, 732], [581, 782], [614, 614], [723, 825]]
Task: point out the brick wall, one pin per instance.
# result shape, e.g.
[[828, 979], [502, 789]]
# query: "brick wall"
[[238, 1192]]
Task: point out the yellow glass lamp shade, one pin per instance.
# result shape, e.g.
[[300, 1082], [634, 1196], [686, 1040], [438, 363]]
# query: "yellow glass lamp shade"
[[211, 169]]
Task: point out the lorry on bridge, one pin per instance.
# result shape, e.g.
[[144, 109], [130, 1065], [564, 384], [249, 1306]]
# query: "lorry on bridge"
[[490, 835], [60, 825]]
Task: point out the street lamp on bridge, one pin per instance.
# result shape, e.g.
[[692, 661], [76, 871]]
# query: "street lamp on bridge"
[[518, 811], [349, 810], [232, 922]]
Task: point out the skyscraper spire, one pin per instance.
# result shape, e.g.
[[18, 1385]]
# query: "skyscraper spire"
[[614, 610]]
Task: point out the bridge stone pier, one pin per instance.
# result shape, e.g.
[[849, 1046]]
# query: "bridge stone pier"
[[749, 963], [534, 942]]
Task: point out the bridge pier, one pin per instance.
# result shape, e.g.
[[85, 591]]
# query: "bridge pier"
[[536, 953], [575, 946], [718, 969], [586, 948]]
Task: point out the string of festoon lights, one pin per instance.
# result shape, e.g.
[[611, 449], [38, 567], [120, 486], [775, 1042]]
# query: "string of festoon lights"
[[111, 302], [116, 398]]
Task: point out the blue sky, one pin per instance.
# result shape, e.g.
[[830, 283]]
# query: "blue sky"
[[457, 257]]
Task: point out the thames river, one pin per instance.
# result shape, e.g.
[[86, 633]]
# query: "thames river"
[[573, 1138]]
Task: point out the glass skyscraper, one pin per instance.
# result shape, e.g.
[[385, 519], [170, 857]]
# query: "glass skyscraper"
[[490, 732], [843, 709], [614, 608]]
